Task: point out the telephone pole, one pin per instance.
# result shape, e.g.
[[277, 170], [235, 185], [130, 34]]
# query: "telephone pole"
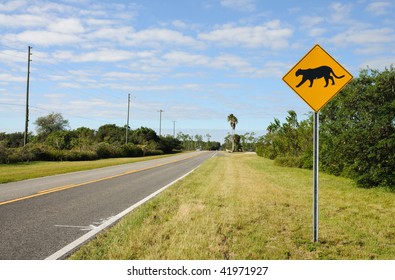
[[174, 129], [27, 97], [160, 121], [127, 120]]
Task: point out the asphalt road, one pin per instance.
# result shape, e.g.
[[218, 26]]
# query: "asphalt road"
[[41, 216]]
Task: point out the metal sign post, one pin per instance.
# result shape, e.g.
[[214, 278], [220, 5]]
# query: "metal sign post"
[[315, 175]]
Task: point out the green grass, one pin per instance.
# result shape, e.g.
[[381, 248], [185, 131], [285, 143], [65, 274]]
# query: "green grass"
[[244, 207], [22, 171]]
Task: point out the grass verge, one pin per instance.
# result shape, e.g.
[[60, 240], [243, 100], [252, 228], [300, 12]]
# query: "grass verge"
[[245, 207], [22, 171]]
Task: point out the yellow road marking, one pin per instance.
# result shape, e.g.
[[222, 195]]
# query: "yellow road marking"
[[66, 187]]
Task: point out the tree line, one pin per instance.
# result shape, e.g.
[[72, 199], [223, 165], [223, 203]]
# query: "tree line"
[[357, 133], [55, 142]]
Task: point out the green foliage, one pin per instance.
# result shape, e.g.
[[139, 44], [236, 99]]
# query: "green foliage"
[[248, 141], [238, 147], [106, 150], [290, 161], [111, 133], [84, 144], [291, 140], [51, 123], [131, 150], [233, 121], [213, 146], [153, 152], [61, 140], [3, 152], [357, 133], [77, 155], [12, 140], [144, 135], [358, 130], [189, 143], [168, 143]]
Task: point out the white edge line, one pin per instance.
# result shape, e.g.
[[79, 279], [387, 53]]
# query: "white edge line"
[[86, 237]]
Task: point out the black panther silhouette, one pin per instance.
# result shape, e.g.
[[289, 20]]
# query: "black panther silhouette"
[[316, 73]]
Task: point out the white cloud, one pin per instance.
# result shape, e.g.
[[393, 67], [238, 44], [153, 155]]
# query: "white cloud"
[[40, 38], [12, 5], [157, 36], [379, 8], [365, 36], [371, 50], [223, 61], [271, 35], [312, 25], [49, 8], [179, 24], [340, 12], [102, 55], [239, 5], [118, 34], [311, 21], [314, 32], [229, 61], [5, 77], [23, 20], [70, 25], [13, 56], [129, 76], [184, 58], [378, 63]]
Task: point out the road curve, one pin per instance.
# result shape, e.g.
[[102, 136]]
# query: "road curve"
[[41, 216]]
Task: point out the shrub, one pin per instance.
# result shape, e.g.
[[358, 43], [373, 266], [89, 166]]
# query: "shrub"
[[289, 161], [105, 150], [154, 152], [131, 150], [38, 151], [75, 155], [3, 153]]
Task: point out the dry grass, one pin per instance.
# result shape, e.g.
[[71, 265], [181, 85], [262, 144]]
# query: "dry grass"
[[243, 207]]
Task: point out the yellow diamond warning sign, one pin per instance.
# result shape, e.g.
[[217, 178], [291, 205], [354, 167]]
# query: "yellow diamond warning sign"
[[317, 78]]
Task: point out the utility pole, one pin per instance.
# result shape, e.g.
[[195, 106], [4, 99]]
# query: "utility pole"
[[27, 97], [127, 120], [160, 121], [174, 129]]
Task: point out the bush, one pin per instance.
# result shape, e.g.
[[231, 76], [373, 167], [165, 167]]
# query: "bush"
[[259, 149], [3, 153], [358, 130], [154, 152], [38, 151], [131, 150], [289, 161], [75, 155], [105, 150]]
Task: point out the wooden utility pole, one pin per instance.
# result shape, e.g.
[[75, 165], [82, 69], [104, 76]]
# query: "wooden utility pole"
[[174, 129], [160, 121], [27, 97], [127, 120]]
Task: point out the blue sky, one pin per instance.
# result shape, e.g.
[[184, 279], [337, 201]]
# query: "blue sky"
[[198, 61]]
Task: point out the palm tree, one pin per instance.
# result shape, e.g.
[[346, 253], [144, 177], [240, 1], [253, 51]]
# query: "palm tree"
[[233, 121]]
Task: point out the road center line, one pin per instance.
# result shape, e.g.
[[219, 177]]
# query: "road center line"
[[68, 249], [70, 186]]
